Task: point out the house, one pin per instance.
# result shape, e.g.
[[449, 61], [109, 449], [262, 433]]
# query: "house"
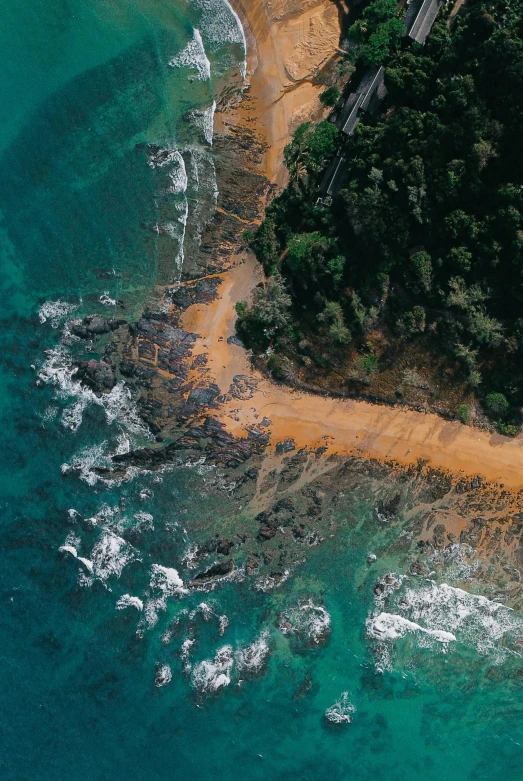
[[333, 180], [367, 97], [420, 17]]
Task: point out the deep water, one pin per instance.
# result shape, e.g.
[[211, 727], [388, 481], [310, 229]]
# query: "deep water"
[[85, 86]]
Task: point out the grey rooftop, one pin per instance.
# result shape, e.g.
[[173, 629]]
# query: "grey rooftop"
[[369, 92], [420, 18]]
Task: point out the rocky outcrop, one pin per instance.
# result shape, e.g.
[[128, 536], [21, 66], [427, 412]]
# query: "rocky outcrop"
[[95, 325], [97, 375]]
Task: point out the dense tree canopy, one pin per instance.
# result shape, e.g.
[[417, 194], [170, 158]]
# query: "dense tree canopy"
[[427, 233]]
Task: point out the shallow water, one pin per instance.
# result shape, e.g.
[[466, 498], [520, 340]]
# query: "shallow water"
[[84, 630]]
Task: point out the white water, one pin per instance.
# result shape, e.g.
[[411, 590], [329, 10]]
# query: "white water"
[[194, 56]]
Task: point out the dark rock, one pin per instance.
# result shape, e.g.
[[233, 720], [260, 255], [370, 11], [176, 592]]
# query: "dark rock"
[[97, 375], [418, 568], [95, 325], [286, 446], [204, 396], [304, 688], [386, 585], [386, 509], [266, 532], [234, 339], [224, 547], [219, 570]]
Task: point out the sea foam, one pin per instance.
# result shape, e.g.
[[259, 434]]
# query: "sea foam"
[[55, 312], [165, 582], [221, 24], [437, 615], [204, 119], [252, 658], [126, 600], [178, 175], [388, 626], [341, 712], [194, 56], [307, 621], [58, 370], [213, 674]]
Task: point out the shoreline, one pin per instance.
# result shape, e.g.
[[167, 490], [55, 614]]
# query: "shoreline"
[[343, 426], [288, 41]]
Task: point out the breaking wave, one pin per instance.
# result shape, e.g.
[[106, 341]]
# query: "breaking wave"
[[211, 675], [252, 658], [194, 56], [109, 556], [59, 370], [221, 24], [165, 582], [341, 712], [127, 600], [436, 616], [55, 312], [204, 119], [178, 175]]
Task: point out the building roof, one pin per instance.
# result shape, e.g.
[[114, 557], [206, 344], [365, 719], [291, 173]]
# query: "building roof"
[[372, 84], [334, 177], [419, 22]]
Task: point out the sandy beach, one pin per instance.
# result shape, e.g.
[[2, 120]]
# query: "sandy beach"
[[288, 42]]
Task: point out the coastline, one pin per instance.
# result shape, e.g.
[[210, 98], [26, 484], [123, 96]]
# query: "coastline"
[[345, 427], [194, 370], [287, 43]]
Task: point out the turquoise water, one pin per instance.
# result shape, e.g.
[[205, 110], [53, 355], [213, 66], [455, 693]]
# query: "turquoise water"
[[84, 86]]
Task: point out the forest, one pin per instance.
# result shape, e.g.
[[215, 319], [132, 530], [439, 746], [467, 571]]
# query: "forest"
[[409, 285]]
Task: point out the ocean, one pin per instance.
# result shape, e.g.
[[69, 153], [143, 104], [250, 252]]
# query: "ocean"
[[351, 665]]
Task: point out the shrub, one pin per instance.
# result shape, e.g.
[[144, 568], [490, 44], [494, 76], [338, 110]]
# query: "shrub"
[[497, 404], [333, 315], [330, 96], [508, 429], [369, 363], [464, 413]]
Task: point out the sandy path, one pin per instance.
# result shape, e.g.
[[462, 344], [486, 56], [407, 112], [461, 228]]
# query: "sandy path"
[[344, 426]]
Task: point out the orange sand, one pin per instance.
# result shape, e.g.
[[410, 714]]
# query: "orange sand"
[[289, 41], [345, 426]]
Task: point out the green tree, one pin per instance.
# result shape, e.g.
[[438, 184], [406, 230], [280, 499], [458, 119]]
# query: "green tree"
[[377, 33], [497, 404], [310, 149], [486, 329], [307, 253], [330, 96], [336, 267], [333, 315], [420, 271], [268, 314]]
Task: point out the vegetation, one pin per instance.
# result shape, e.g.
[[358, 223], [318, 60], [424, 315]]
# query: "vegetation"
[[424, 244], [377, 33], [330, 96]]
